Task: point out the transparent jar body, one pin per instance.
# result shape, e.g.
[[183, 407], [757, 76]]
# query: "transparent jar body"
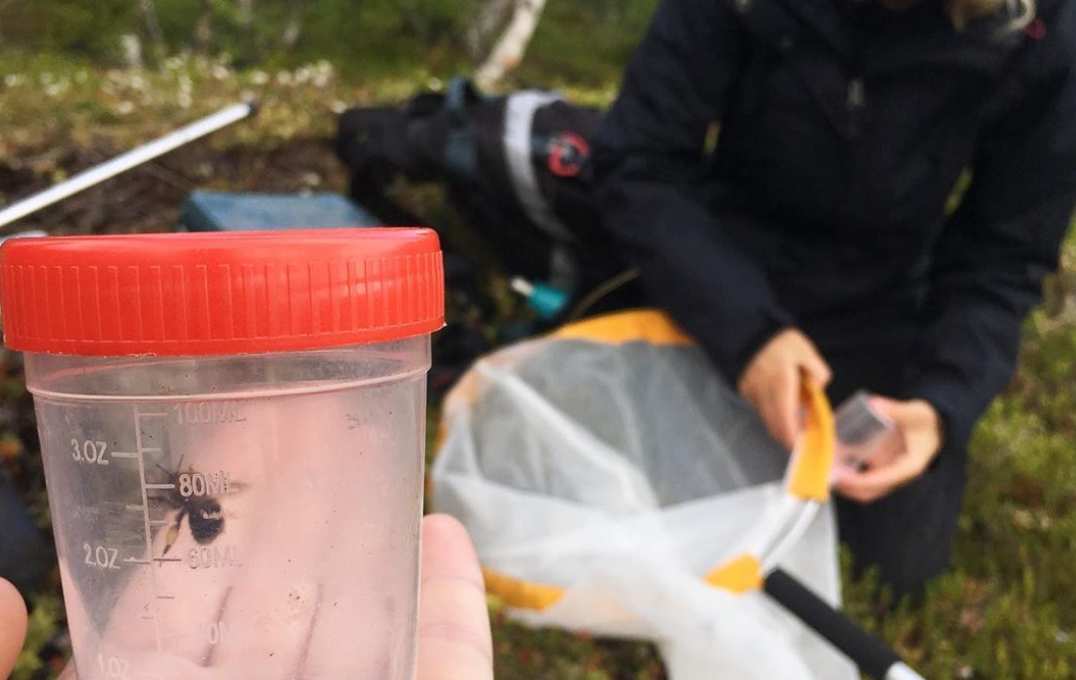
[[252, 516]]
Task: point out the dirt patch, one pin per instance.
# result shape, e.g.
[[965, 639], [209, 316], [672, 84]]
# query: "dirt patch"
[[149, 198]]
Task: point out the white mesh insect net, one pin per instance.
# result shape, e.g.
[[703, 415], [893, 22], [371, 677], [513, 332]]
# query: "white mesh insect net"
[[606, 473]]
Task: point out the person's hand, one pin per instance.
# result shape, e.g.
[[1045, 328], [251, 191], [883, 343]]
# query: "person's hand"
[[454, 640], [920, 434], [12, 626], [772, 381]]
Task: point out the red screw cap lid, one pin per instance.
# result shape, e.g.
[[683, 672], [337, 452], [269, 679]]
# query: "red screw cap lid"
[[222, 293]]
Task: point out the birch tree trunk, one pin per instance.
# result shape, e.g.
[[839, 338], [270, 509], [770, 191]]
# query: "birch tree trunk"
[[131, 45], [489, 18], [511, 46], [245, 15], [203, 28], [294, 28], [153, 26]]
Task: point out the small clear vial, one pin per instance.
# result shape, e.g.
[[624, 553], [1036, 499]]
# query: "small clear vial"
[[863, 433]]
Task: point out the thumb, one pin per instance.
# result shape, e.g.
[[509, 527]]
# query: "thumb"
[[12, 627], [885, 405], [454, 635]]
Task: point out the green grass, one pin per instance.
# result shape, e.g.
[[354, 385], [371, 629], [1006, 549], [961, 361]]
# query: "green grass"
[[1006, 611], [55, 100]]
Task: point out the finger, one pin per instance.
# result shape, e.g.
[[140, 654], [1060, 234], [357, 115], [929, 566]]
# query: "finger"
[[862, 497], [787, 408], [454, 635], [876, 482], [852, 491], [12, 626], [885, 406], [763, 406], [849, 484], [772, 408], [817, 368], [746, 388], [769, 411]]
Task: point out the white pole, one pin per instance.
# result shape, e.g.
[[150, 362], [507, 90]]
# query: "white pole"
[[126, 161], [899, 671]]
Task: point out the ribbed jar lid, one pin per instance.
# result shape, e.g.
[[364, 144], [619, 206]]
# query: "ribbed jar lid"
[[221, 293]]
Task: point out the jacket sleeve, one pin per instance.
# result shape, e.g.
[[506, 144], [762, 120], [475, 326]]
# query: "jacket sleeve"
[[990, 261], [650, 164]]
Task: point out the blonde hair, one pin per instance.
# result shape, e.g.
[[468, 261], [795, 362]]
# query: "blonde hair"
[[963, 12]]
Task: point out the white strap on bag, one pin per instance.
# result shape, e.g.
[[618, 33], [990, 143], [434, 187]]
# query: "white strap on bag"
[[518, 135]]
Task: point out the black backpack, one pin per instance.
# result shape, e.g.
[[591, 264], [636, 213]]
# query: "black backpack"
[[517, 166]]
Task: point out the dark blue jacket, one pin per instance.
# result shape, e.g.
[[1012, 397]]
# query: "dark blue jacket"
[[841, 132]]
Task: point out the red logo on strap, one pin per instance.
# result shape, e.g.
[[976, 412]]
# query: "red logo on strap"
[[1036, 30], [567, 154]]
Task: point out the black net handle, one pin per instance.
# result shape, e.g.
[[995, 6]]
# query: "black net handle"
[[874, 657]]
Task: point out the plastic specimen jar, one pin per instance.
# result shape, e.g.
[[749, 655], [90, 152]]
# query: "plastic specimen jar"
[[233, 431]]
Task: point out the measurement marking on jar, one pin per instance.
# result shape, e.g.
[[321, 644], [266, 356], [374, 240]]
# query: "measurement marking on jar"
[[213, 557], [135, 508], [160, 486], [204, 484], [166, 597], [140, 450], [151, 414], [100, 556], [135, 560], [159, 522], [89, 452], [208, 413], [167, 559], [113, 667], [124, 454], [216, 632]]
